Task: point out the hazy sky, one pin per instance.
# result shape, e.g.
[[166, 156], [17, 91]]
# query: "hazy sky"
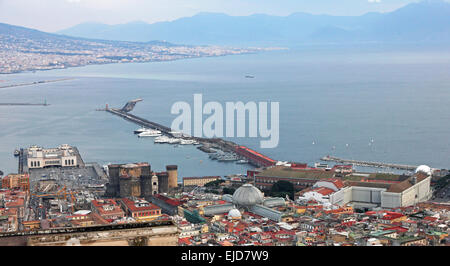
[[53, 15]]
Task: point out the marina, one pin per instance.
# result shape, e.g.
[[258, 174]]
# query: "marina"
[[218, 149]]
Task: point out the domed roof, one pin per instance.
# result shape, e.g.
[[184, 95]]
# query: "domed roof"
[[247, 195], [234, 213], [424, 169]]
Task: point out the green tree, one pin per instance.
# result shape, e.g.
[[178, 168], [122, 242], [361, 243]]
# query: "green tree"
[[215, 183], [227, 190], [283, 188]]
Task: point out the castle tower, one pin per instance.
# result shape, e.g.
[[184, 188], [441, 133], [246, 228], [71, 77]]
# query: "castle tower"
[[172, 171], [155, 185]]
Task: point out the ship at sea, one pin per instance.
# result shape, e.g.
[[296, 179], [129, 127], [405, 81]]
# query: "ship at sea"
[[188, 142], [141, 130], [150, 133]]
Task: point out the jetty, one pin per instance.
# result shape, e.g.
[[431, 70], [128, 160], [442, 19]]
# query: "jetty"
[[369, 164], [209, 145]]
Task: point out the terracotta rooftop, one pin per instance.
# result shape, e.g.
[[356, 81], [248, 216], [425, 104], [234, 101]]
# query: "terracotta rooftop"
[[283, 171], [404, 185], [131, 205]]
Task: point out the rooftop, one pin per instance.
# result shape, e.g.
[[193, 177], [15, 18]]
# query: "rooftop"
[[136, 206], [288, 172]]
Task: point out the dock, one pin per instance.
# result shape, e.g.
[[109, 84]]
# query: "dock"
[[370, 164], [139, 121], [24, 104], [33, 83], [208, 144]]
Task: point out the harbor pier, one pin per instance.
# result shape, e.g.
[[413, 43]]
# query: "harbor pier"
[[370, 164], [208, 145]]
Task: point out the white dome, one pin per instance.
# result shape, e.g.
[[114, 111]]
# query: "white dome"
[[424, 169], [234, 213], [247, 195]]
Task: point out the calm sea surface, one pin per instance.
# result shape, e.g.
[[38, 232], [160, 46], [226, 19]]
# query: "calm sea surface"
[[332, 101]]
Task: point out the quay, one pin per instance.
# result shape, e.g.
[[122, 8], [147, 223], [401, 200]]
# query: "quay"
[[24, 104], [34, 83], [208, 145], [139, 121], [370, 164]]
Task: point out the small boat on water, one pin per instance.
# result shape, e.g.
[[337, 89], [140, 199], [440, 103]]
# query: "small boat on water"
[[16, 153], [176, 134], [162, 139], [249, 77], [174, 141], [141, 130], [242, 161], [150, 133], [228, 158], [187, 142]]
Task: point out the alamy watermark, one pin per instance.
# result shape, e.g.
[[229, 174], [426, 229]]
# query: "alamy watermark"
[[234, 114]]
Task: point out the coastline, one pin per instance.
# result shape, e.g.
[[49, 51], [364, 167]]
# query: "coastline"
[[245, 51]]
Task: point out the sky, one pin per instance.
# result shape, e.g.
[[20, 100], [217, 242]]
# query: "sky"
[[54, 15]]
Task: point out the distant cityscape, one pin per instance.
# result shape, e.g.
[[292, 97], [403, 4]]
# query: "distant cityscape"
[[30, 50]]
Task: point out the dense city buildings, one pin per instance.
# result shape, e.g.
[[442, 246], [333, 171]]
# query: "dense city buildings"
[[16, 182], [335, 206]]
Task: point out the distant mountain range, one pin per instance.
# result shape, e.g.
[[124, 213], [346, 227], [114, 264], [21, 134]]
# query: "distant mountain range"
[[427, 21]]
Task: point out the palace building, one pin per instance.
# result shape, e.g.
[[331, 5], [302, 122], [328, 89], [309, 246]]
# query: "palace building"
[[63, 156]]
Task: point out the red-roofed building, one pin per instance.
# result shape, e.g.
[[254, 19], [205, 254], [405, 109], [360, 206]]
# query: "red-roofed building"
[[398, 229], [140, 209], [184, 241], [108, 209], [17, 181], [168, 205], [255, 157], [394, 217], [430, 219]]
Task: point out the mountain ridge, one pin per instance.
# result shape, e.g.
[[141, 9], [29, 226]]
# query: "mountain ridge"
[[210, 28]]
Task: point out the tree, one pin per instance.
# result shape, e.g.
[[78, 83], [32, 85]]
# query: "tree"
[[283, 188], [215, 183], [227, 190]]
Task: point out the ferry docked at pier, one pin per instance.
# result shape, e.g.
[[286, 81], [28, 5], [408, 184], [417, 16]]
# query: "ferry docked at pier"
[[141, 130], [150, 133]]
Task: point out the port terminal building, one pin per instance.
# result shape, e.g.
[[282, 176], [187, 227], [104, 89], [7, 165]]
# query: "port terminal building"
[[62, 156]]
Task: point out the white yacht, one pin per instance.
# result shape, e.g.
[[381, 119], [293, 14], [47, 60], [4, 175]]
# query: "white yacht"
[[141, 130], [176, 134], [187, 142], [162, 139], [174, 141], [150, 133]]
